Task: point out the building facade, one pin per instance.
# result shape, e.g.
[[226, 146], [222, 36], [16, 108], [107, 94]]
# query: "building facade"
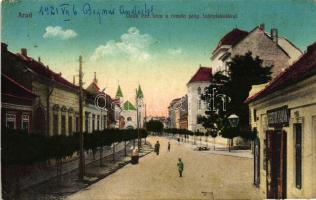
[[196, 106], [130, 115], [284, 116], [272, 49], [16, 105]]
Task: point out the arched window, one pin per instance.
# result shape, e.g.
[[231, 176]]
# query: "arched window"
[[199, 90], [129, 119]]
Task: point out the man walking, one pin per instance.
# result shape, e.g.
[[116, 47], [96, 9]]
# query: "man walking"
[[180, 166], [168, 146], [157, 147]]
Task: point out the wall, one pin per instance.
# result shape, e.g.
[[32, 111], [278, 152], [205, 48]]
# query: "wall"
[[193, 101], [302, 98], [261, 45]]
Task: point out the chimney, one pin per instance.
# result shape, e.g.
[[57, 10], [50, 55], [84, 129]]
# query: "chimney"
[[39, 59], [24, 52], [261, 26], [4, 47], [74, 80], [274, 35]]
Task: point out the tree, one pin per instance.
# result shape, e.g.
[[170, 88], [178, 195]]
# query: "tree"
[[227, 93], [154, 126]]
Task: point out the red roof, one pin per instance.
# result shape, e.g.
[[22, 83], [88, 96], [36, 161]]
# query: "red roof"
[[300, 70], [232, 38], [203, 74], [42, 70], [14, 89]]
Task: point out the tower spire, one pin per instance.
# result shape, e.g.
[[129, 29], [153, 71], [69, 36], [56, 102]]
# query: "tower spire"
[[95, 80], [119, 92]]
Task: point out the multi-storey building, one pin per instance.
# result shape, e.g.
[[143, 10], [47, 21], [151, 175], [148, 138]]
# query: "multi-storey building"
[[271, 48]]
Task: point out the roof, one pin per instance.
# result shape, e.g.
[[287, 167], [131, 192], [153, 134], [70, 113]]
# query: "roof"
[[93, 88], [139, 93], [232, 38], [44, 71], [128, 106], [14, 89], [204, 74], [174, 101], [300, 70], [119, 92]]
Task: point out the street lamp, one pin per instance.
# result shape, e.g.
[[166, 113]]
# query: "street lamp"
[[233, 121]]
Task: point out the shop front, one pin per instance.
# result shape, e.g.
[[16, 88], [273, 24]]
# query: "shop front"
[[284, 116]]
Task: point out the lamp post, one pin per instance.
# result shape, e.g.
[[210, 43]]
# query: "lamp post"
[[139, 104], [233, 121]]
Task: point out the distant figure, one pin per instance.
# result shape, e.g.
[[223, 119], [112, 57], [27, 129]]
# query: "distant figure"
[[168, 146], [178, 140], [180, 167], [157, 147]]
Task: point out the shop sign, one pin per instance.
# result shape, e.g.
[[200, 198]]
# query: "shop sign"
[[278, 117]]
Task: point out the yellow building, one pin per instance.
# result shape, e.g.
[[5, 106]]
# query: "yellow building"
[[284, 116]]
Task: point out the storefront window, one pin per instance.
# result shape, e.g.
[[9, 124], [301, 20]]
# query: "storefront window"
[[63, 124], [70, 125]]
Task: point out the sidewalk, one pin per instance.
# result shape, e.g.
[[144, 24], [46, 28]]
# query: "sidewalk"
[[219, 148], [56, 188]]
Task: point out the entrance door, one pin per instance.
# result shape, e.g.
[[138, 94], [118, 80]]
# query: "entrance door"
[[276, 164]]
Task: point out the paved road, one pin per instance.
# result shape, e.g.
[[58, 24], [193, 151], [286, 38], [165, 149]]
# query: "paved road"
[[206, 176]]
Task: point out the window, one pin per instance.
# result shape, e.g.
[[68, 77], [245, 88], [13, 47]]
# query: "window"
[[70, 125], [25, 122], [129, 119], [298, 155], [77, 123], [254, 115], [93, 122], [98, 122], [63, 124], [87, 122], [199, 90], [11, 121], [199, 105], [55, 124]]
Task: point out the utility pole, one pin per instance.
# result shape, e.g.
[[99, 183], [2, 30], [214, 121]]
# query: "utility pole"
[[81, 153]]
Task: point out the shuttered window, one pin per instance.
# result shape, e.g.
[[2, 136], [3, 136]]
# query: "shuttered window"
[[298, 155]]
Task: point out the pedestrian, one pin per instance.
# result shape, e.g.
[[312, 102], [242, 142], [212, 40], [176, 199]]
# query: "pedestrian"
[[178, 140], [180, 166], [168, 146], [157, 147]]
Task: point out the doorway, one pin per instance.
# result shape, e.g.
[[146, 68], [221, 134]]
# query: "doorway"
[[276, 164]]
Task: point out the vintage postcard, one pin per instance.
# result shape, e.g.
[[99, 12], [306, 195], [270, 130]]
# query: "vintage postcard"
[[158, 100]]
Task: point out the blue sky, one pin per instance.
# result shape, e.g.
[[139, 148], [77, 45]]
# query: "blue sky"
[[160, 54]]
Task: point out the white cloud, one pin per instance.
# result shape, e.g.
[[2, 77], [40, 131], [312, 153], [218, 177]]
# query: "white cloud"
[[175, 52], [132, 44], [58, 32]]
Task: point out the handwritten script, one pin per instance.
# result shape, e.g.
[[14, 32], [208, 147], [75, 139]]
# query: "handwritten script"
[[68, 11]]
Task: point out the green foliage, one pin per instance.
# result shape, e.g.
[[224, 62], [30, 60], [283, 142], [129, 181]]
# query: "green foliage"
[[22, 148], [154, 126], [244, 71]]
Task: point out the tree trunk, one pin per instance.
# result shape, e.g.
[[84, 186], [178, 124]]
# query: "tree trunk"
[[125, 148], [101, 155], [113, 151]]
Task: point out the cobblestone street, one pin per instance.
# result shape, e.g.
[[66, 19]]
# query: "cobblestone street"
[[206, 176]]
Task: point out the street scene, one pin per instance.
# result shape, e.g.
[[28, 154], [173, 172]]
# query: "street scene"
[[205, 176], [142, 100]]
